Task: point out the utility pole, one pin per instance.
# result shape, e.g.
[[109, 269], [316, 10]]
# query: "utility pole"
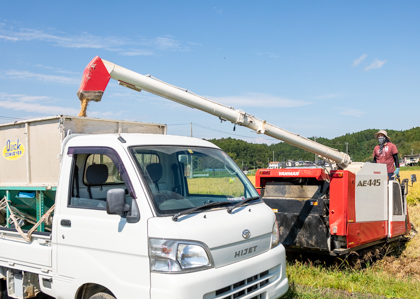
[[412, 151], [347, 148]]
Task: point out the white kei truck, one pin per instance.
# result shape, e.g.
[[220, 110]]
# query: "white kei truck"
[[96, 208]]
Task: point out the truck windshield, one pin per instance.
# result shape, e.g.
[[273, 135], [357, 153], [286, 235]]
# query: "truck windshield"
[[182, 178]]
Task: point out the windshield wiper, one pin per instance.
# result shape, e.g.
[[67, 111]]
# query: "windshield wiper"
[[207, 205], [241, 203]]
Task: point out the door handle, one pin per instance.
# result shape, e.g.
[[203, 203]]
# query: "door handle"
[[65, 222]]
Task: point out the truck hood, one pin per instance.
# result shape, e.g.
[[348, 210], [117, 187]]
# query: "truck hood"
[[221, 232]]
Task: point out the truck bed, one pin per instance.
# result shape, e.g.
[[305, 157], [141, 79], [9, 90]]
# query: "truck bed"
[[34, 256]]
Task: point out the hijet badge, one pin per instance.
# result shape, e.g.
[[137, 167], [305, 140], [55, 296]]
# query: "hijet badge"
[[13, 150]]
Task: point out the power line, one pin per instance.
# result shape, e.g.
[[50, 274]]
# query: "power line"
[[179, 124], [204, 127], [8, 117], [231, 134], [211, 129]]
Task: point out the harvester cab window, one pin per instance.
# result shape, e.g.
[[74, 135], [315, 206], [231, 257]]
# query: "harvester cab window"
[[304, 188], [397, 199], [93, 175]]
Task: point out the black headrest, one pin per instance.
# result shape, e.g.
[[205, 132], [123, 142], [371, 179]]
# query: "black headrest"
[[155, 171], [97, 174]]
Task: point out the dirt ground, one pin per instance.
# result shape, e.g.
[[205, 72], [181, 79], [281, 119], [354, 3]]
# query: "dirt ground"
[[407, 262], [401, 267]]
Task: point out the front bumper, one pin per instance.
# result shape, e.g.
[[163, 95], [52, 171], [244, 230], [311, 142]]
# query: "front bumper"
[[263, 275]]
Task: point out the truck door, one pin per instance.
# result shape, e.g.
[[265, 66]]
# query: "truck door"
[[397, 210], [92, 246]]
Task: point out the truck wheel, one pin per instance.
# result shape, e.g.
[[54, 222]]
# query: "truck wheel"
[[102, 295]]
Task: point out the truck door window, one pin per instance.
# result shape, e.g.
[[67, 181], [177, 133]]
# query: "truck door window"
[[114, 176], [92, 176]]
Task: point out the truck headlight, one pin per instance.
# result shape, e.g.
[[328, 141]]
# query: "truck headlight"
[[178, 256], [275, 236]]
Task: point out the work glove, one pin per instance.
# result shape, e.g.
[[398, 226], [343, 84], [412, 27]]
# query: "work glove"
[[397, 171]]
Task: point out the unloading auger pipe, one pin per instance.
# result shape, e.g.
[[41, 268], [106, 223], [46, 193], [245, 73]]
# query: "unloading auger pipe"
[[139, 82]]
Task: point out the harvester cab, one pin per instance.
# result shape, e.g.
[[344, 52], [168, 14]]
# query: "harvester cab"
[[336, 211]]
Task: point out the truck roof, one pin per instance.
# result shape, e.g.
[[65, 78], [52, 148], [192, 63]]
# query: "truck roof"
[[133, 139], [72, 117]]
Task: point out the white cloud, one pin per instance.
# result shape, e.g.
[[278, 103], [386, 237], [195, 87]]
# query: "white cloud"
[[41, 77], [258, 100], [9, 38], [141, 46], [376, 64], [26, 103], [56, 69], [269, 54], [217, 10], [166, 43], [84, 40], [22, 97], [43, 105], [194, 44], [328, 96], [38, 108], [350, 111], [137, 52], [357, 61]]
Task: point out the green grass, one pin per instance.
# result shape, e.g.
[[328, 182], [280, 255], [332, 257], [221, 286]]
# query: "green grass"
[[303, 292], [366, 281], [410, 168]]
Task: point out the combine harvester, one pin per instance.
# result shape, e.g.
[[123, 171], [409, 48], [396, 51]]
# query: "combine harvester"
[[347, 208]]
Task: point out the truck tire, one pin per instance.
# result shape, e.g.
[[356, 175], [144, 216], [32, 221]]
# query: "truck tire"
[[102, 295]]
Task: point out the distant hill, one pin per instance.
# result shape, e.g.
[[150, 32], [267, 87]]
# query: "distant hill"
[[360, 147]]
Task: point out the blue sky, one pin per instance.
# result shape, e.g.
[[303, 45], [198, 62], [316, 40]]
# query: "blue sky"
[[316, 68]]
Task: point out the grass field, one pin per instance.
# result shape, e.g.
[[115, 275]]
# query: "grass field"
[[395, 276], [216, 186], [413, 196]]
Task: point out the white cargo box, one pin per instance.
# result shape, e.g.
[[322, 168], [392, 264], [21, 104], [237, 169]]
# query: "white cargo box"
[[30, 148]]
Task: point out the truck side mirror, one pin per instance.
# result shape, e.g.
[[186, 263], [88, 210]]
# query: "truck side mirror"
[[413, 178], [115, 202]]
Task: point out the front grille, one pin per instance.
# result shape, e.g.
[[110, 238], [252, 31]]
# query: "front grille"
[[247, 286]]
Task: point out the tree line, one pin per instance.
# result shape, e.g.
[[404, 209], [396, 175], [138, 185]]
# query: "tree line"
[[359, 146]]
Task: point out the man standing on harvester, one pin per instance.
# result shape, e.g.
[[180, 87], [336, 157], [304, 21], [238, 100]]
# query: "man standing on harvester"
[[386, 153]]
